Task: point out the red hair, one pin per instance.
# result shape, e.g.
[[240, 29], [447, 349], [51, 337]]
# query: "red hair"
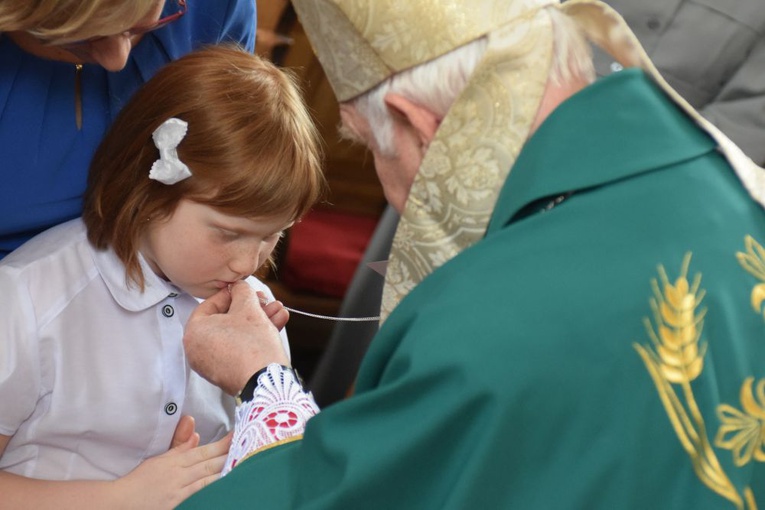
[[251, 145]]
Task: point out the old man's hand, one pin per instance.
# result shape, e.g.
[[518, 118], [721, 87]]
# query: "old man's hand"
[[230, 336]]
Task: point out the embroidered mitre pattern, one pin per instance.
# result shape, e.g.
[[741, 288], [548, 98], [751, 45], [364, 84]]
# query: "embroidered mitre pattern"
[[456, 187]]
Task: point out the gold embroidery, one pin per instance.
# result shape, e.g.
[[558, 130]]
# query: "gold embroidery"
[[677, 357], [743, 432], [754, 263], [291, 439], [749, 496]]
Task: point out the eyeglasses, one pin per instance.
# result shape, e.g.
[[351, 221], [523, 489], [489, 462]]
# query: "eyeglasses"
[[134, 31]]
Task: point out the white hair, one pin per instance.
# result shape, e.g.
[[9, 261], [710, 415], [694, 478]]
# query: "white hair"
[[437, 83]]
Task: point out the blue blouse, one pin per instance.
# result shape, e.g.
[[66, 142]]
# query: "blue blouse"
[[44, 158]]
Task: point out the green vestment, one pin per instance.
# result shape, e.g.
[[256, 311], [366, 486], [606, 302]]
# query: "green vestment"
[[603, 352]]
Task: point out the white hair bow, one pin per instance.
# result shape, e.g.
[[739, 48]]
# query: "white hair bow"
[[168, 169]]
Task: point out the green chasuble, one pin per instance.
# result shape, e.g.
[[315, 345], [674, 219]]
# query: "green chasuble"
[[606, 351]]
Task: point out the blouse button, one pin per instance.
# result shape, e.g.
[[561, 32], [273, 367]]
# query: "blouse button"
[[171, 408], [172, 295], [653, 24], [167, 311]]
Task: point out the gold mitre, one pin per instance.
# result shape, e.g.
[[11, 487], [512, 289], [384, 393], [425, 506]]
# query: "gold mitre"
[[360, 43]]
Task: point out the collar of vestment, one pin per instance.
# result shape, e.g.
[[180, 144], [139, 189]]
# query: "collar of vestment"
[[620, 126], [127, 294]]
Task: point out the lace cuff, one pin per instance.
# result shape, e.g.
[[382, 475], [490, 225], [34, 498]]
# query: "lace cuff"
[[278, 412]]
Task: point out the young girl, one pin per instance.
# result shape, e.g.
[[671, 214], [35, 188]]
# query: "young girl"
[[189, 192]]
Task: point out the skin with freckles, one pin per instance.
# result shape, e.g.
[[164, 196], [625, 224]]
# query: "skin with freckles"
[[202, 250]]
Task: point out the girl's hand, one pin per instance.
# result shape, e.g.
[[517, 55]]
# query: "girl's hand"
[[185, 430], [164, 481]]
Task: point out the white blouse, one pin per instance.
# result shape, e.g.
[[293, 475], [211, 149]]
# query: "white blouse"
[[93, 376]]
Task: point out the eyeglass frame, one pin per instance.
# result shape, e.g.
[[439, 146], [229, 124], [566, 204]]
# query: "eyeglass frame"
[[131, 32]]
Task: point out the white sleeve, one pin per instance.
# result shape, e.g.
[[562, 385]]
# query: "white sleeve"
[[20, 379]]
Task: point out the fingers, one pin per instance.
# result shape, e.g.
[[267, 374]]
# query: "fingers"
[[221, 446], [190, 444], [244, 300], [262, 298], [183, 431], [167, 479], [210, 451], [275, 310], [201, 483], [201, 475], [217, 303], [211, 466], [204, 464], [279, 317]]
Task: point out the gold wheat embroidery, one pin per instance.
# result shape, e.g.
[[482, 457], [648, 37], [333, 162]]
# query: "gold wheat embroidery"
[[676, 357], [743, 432], [754, 263]]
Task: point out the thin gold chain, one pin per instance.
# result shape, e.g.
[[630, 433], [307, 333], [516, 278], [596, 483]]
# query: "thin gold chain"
[[78, 95]]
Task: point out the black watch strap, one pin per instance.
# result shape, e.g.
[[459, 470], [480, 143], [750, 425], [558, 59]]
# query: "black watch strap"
[[248, 392]]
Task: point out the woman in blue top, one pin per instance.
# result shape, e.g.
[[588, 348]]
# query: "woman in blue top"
[[66, 69]]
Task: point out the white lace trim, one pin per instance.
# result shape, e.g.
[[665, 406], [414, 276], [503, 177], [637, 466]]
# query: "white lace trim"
[[280, 409]]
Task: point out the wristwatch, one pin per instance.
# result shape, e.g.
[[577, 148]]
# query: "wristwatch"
[[248, 392]]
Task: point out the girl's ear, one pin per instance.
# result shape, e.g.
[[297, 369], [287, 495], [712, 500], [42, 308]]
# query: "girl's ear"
[[424, 122]]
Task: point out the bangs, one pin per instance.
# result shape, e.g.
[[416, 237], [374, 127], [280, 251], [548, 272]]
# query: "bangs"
[[255, 183], [260, 159]]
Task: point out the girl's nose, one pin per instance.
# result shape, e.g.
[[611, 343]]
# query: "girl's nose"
[[245, 261]]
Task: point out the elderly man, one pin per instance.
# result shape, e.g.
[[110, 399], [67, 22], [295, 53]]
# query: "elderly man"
[[573, 302]]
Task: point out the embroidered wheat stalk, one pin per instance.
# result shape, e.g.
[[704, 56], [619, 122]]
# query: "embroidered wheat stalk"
[[677, 357], [753, 261]]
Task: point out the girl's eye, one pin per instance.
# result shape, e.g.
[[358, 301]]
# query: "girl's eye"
[[228, 234]]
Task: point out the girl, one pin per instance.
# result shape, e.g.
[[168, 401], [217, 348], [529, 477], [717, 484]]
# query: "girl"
[[189, 192]]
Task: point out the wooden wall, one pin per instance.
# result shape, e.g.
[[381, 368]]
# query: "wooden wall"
[[354, 188]]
